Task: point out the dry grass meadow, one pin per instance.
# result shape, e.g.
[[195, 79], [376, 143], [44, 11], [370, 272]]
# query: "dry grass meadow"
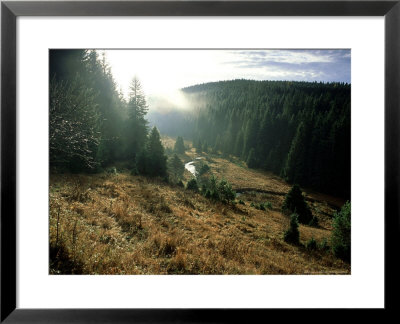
[[124, 224]]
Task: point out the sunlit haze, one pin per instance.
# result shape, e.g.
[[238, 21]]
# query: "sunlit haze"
[[163, 72]]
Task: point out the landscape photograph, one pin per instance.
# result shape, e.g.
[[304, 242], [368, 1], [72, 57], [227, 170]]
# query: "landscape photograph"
[[198, 162]]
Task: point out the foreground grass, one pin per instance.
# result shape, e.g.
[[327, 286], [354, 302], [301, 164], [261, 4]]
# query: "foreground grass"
[[123, 224]]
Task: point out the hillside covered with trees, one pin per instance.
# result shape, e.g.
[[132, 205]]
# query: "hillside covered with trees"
[[298, 130]]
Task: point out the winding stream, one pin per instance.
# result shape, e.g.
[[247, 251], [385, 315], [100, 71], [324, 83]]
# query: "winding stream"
[[191, 167]]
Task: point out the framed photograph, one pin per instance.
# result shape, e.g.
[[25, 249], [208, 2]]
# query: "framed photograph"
[[197, 160]]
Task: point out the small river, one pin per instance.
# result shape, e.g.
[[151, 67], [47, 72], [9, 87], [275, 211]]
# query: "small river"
[[191, 167]]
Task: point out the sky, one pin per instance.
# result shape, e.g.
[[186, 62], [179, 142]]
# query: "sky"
[[163, 71]]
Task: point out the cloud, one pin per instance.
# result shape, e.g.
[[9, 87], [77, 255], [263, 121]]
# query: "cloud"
[[165, 71], [298, 65]]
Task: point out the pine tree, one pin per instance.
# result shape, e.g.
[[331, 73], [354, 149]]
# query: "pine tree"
[[192, 185], [239, 143], [73, 124], [292, 235], [179, 146], [295, 164], [176, 168], [295, 203], [250, 136], [251, 160], [137, 100], [341, 235], [156, 159], [136, 130]]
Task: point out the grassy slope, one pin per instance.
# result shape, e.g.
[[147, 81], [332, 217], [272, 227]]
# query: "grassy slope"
[[123, 224]]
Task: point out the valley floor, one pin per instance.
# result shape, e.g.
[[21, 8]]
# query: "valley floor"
[[124, 224]]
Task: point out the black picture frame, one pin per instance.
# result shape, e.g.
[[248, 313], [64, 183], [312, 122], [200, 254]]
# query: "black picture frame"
[[10, 10]]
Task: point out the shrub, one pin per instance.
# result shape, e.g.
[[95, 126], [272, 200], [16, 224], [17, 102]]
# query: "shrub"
[[260, 207], [341, 235], [226, 194], [295, 203], [324, 245], [192, 185], [241, 202], [268, 205], [311, 244], [292, 235], [212, 187], [220, 191]]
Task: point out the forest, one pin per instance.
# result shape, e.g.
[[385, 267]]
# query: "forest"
[[298, 130], [247, 174]]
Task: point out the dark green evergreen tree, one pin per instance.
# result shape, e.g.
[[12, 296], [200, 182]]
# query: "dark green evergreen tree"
[[295, 203], [156, 159], [341, 235], [179, 146], [251, 160], [176, 169], [73, 125], [225, 192], [292, 234], [192, 185], [294, 170], [136, 128]]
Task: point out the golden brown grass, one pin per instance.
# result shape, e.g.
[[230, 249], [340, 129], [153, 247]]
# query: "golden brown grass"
[[123, 224]]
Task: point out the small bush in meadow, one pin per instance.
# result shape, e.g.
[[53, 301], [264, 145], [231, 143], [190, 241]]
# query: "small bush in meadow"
[[260, 207], [292, 235], [324, 246], [220, 191], [226, 193], [311, 244]]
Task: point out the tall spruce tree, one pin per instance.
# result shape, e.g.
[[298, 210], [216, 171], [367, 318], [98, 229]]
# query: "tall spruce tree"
[[295, 203], [179, 146], [176, 168], [156, 159], [136, 129]]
